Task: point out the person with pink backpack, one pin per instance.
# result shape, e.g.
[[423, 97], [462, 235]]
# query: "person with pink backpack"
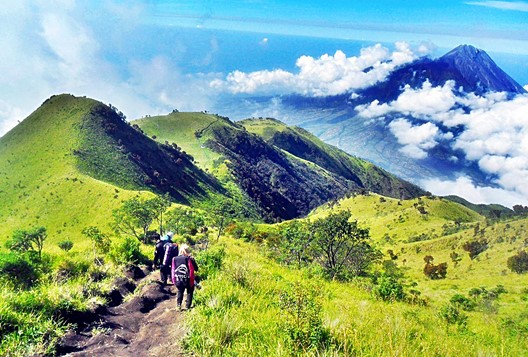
[[183, 275]]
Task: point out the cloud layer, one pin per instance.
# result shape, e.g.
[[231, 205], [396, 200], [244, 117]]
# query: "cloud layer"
[[323, 76], [491, 130]]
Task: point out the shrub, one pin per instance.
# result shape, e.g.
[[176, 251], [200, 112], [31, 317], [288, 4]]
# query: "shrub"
[[475, 247], [209, 262], [302, 318], [451, 315], [518, 263], [18, 270], [127, 252], [432, 271], [65, 245], [463, 302], [389, 288], [68, 268]]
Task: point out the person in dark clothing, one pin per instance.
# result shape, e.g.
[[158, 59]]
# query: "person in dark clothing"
[[163, 253], [183, 268]]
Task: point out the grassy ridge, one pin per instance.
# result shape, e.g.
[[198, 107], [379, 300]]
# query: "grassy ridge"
[[40, 183]]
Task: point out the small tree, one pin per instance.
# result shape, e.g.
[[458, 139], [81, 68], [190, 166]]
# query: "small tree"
[[475, 247], [295, 242], [341, 246], [65, 245], [432, 271], [135, 217], [159, 206], [28, 240], [101, 241]]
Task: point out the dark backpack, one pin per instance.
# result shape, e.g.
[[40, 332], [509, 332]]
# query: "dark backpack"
[[169, 251], [181, 272]]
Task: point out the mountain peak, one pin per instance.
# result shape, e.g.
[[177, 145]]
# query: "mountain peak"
[[465, 51], [477, 71]]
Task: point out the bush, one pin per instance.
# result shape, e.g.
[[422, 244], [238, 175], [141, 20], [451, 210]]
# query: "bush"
[[463, 302], [18, 270], [475, 247], [389, 288], [65, 245], [209, 262], [518, 263], [127, 252], [451, 315], [68, 268], [301, 318], [435, 272]]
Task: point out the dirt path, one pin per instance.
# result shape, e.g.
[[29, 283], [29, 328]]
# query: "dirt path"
[[147, 325]]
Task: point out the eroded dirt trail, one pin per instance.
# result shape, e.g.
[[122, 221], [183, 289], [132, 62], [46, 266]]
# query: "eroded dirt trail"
[[147, 325]]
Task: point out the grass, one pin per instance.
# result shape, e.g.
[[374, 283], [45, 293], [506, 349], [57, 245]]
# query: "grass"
[[180, 128], [238, 313]]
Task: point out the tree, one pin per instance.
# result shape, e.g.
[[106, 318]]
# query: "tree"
[[101, 241], [296, 241], [185, 221], [222, 212], [519, 262], [31, 240], [135, 215], [65, 245], [159, 206], [341, 246]]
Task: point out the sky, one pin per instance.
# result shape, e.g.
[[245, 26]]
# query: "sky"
[[149, 57]]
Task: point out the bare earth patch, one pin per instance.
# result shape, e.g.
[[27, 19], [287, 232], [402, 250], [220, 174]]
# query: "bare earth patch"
[[147, 325]]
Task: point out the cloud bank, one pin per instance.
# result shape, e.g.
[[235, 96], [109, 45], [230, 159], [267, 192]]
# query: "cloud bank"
[[491, 130], [324, 76]]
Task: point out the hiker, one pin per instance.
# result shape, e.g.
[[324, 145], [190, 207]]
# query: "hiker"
[[164, 252], [183, 268]]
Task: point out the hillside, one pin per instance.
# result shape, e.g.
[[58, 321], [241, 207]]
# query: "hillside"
[[73, 160], [286, 172]]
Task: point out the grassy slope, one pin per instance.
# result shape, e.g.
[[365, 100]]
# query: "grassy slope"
[[489, 268], [237, 314], [303, 144], [180, 128], [40, 184]]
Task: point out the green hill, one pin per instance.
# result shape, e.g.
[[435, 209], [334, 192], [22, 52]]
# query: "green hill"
[[73, 160], [286, 171]]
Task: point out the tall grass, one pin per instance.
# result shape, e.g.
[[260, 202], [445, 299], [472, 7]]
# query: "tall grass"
[[239, 313]]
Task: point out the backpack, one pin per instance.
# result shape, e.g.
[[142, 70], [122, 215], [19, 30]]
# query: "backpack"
[[169, 249], [181, 273]]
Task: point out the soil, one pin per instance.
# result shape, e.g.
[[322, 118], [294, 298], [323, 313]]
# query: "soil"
[[149, 324]]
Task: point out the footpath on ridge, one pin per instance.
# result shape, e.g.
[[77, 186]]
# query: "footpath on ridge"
[[149, 324]]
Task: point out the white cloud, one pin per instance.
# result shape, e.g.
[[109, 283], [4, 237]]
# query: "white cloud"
[[494, 128], [502, 5], [416, 139], [52, 47], [323, 76], [463, 187]]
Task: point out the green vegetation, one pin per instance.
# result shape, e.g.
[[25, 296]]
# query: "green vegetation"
[[75, 216]]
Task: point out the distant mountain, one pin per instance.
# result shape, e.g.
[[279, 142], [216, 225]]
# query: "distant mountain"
[[490, 211], [472, 69], [286, 171], [335, 120]]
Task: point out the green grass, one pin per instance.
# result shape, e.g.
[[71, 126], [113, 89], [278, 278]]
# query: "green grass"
[[180, 128], [238, 313], [39, 180]]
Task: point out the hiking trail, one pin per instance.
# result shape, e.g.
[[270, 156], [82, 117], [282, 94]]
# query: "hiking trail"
[[149, 324]]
